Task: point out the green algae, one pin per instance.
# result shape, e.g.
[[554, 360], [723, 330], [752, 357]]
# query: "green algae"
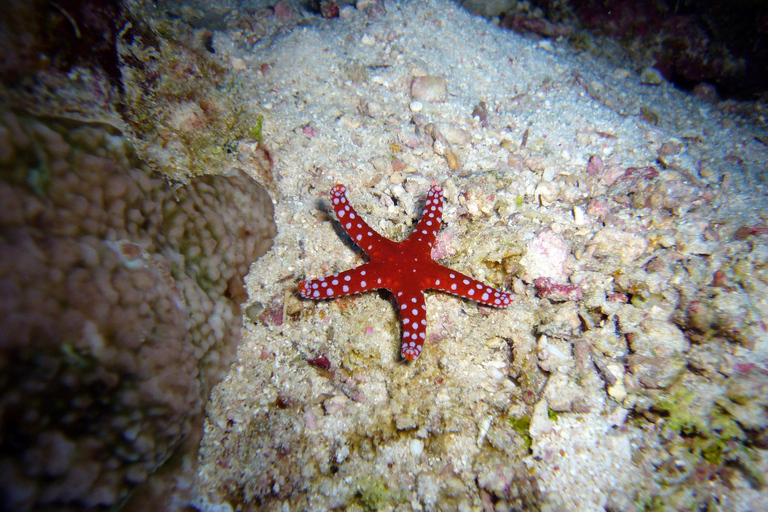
[[709, 433], [256, 131], [375, 494], [522, 427]]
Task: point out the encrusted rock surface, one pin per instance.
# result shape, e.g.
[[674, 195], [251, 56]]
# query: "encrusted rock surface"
[[119, 308]]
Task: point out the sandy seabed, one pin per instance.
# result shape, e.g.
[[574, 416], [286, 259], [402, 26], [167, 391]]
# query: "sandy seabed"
[[630, 373]]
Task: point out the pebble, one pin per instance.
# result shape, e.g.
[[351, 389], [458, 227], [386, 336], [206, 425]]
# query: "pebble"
[[416, 106], [439, 147], [454, 163], [578, 216], [546, 192], [453, 134], [617, 391], [545, 257], [540, 424], [429, 88], [417, 447], [608, 239], [238, 64], [347, 12], [651, 76]]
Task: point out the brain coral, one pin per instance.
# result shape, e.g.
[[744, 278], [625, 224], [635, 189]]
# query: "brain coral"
[[119, 308]]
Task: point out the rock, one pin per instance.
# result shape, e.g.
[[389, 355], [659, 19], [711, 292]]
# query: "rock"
[[611, 242], [654, 372], [651, 76], [540, 424], [452, 134], [617, 390], [578, 216], [555, 292], [429, 88], [546, 192], [659, 338], [595, 165], [417, 447], [561, 393], [706, 359], [658, 357], [545, 256]]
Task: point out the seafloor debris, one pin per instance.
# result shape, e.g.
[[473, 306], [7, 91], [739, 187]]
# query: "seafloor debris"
[[557, 292], [119, 308]]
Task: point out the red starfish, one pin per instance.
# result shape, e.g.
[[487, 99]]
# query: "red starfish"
[[404, 268]]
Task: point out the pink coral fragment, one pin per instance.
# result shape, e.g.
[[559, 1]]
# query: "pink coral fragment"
[[547, 288]]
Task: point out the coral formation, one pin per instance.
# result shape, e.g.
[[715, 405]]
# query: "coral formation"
[[119, 308]]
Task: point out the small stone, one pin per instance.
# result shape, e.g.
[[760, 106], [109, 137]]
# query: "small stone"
[[547, 288], [705, 91], [545, 44], [416, 106], [398, 165], [453, 134], [546, 192], [368, 40], [439, 147], [453, 160], [608, 240], [655, 372], [651, 76], [578, 216], [238, 64], [350, 122], [417, 447], [561, 393], [709, 173], [617, 418], [670, 148], [540, 423], [254, 311], [380, 164], [374, 109], [617, 391], [429, 88], [545, 257], [347, 12], [595, 165]]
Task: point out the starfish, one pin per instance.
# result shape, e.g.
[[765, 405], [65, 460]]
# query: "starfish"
[[404, 268]]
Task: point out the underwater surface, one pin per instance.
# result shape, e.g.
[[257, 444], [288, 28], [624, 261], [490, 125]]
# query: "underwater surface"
[[203, 304]]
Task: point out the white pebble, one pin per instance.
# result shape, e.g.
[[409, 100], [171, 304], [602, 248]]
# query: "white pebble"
[[578, 216], [417, 447], [416, 106]]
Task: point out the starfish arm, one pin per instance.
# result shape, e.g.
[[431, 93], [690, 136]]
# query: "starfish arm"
[[429, 224], [361, 233], [349, 282], [450, 281], [413, 315]]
